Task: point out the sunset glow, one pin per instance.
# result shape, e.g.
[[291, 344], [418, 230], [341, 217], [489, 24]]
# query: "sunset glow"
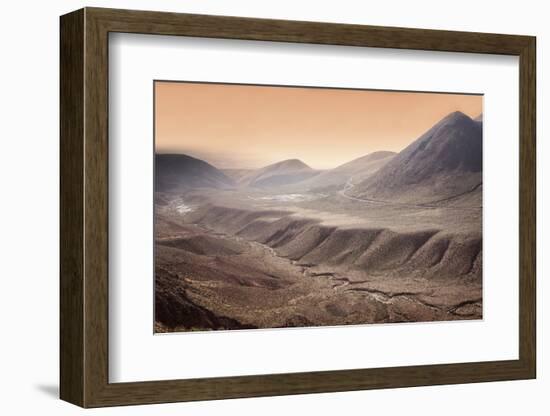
[[249, 126]]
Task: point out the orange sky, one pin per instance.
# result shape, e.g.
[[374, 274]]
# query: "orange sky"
[[248, 126]]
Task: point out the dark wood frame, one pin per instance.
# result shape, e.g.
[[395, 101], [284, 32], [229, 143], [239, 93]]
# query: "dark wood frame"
[[84, 208]]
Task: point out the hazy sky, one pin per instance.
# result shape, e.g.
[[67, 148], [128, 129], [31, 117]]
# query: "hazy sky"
[[246, 126]]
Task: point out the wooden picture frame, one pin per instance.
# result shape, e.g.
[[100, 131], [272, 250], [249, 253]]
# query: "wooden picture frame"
[[84, 207]]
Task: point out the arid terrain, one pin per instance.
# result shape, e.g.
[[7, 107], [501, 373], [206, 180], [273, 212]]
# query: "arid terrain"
[[388, 237]]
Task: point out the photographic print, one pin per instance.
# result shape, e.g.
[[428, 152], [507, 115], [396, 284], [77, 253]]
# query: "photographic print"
[[285, 206]]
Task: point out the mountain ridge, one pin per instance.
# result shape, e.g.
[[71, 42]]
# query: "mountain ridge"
[[443, 162], [281, 173], [337, 177], [174, 172]]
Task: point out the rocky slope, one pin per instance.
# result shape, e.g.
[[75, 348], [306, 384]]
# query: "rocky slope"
[[444, 163]]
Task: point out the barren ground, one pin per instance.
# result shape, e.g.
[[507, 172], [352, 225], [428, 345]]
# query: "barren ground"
[[231, 259]]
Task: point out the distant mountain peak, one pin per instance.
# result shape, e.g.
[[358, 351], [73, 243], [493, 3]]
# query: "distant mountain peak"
[[176, 171], [456, 117], [289, 164], [358, 169], [457, 114], [281, 173]]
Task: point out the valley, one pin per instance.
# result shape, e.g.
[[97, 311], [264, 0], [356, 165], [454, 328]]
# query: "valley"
[[385, 238]]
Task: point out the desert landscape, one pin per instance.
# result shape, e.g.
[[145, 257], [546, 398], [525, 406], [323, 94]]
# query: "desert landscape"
[[385, 238]]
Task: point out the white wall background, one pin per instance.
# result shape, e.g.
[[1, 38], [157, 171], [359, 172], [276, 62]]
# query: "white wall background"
[[29, 206]]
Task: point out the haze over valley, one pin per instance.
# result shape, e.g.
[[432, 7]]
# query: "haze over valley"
[[390, 236]]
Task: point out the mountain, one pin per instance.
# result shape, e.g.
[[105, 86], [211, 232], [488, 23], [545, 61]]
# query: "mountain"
[[175, 172], [358, 169], [237, 174], [364, 163], [445, 163], [279, 174]]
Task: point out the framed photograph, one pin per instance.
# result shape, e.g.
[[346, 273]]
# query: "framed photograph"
[[255, 207]]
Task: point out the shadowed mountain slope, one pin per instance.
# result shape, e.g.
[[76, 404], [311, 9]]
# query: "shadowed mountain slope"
[[174, 172], [444, 163]]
